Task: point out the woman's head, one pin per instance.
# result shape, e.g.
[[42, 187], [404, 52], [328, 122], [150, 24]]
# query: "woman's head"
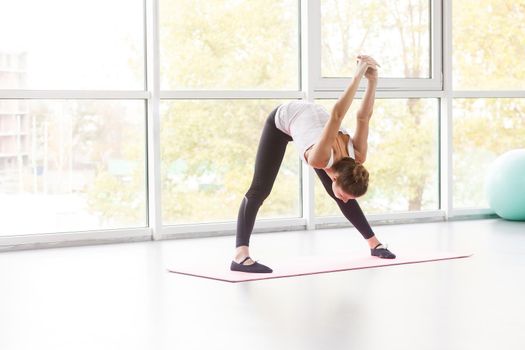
[[351, 179]]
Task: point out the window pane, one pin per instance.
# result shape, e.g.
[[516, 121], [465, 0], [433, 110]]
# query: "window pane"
[[488, 45], [63, 44], [71, 165], [395, 33], [484, 128], [219, 44], [208, 153], [402, 158]]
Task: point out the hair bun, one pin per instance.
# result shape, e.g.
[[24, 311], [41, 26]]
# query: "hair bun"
[[353, 177], [360, 173]]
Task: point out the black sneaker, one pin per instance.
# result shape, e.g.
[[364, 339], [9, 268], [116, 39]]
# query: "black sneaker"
[[382, 252], [254, 268]]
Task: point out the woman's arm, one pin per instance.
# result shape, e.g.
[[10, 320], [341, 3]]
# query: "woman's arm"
[[367, 106], [360, 139], [319, 155]]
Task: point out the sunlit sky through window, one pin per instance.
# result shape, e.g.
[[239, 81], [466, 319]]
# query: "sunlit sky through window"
[[76, 44]]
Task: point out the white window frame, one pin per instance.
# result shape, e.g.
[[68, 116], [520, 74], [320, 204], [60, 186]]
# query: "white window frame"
[[312, 87], [435, 82], [76, 238], [450, 93], [220, 228]]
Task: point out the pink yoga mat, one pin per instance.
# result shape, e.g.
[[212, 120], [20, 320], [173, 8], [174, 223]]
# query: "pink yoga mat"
[[305, 265]]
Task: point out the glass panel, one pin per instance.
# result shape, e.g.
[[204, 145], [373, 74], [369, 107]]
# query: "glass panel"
[[488, 45], [402, 158], [224, 45], [71, 165], [63, 44], [484, 128], [395, 33], [208, 153]]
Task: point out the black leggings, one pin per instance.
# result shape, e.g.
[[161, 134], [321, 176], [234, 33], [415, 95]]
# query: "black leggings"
[[270, 154]]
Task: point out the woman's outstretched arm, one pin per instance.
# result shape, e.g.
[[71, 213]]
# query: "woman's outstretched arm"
[[319, 155], [360, 139]]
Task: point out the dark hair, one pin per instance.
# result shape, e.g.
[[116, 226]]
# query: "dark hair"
[[352, 177]]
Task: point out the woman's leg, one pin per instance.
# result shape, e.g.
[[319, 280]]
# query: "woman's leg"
[[351, 210], [270, 154]]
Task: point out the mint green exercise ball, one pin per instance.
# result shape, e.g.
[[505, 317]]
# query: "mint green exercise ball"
[[505, 186]]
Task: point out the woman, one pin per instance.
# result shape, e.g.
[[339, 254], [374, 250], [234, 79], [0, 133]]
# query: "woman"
[[323, 144]]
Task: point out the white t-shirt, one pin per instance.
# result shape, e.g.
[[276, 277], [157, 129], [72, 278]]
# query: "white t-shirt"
[[304, 122]]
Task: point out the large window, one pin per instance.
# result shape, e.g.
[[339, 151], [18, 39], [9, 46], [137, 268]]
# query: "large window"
[[72, 131], [215, 50], [484, 128], [488, 78], [397, 33], [71, 165], [86, 144]]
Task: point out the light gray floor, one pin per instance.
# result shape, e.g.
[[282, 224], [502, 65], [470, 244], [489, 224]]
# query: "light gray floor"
[[121, 297]]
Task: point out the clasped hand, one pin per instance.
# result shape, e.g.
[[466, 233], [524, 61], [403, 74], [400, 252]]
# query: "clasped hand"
[[367, 66]]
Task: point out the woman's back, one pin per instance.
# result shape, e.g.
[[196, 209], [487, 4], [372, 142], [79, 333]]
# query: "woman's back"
[[304, 122]]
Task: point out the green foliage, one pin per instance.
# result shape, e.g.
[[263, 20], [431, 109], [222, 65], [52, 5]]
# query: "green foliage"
[[220, 44], [110, 133], [116, 201], [483, 129], [206, 175], [489, 44]]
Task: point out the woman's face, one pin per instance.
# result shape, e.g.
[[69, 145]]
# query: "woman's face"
[[339, 193]]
